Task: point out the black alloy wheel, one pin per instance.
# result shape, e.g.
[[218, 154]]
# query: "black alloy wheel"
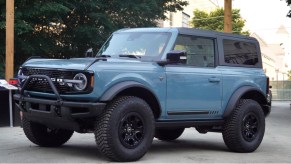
[[250, 127], [131, 130]]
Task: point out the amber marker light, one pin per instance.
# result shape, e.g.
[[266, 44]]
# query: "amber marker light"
[[92, 81]]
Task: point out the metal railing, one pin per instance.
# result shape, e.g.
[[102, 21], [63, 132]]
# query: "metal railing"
[[281, 90]]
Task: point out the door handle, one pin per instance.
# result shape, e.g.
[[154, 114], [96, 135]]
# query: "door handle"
[[214, 80]]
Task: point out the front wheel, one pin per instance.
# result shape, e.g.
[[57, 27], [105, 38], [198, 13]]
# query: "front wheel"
[[44, 136], [125, 131], [244, 129]]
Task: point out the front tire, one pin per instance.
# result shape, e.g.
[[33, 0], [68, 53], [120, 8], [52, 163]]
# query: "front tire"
[[125, 130], [244, 129], [43, 136], [168, 134]]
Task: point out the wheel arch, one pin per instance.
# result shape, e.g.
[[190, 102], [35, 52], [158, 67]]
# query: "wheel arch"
[[246, 92], [132, 88]]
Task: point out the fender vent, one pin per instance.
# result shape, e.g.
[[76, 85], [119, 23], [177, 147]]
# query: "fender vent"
[[213, 112]]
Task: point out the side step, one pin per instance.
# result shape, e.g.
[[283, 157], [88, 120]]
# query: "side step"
[[187, 124]]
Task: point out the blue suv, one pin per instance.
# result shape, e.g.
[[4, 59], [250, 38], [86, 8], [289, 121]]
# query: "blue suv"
[[146, 83]]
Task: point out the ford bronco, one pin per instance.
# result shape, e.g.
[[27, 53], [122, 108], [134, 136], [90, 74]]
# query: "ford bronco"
[[146, 83]]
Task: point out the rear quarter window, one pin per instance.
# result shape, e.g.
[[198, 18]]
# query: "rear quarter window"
[[240, 53]]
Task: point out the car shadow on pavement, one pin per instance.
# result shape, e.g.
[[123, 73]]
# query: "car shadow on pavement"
[[186, 145], [88, 153]]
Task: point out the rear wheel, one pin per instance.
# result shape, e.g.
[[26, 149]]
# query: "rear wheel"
[[244, 130], [169, 134], [125, 131], [43, 136]]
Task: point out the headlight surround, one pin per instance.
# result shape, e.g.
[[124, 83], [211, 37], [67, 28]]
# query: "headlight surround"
[[19, 72], [83, 82]]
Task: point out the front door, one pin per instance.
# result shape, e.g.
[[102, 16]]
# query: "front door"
[[194, 86]]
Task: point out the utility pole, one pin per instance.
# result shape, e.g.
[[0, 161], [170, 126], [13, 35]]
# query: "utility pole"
[[9, 67], [228, 16]]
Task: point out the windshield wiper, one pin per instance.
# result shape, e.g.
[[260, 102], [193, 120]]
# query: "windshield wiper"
[[130, 56], [104, 56]]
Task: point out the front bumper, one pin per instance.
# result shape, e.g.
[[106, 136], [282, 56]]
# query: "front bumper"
[[58, 108], [56, 113]]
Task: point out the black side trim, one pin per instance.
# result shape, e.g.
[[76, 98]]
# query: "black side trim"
[[188, 112], [187, 124], [113, 91]]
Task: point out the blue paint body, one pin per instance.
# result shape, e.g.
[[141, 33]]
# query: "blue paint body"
[[177, 88]]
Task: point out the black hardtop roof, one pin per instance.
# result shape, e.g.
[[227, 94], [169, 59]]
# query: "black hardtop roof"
[[184, 30], [188, 31]]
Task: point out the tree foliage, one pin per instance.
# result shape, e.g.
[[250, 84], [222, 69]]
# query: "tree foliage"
[[67, 28], [214, 20]]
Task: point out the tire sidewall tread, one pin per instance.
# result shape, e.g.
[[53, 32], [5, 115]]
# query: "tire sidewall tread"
[[37, 134], [106, 130], [232, 131]]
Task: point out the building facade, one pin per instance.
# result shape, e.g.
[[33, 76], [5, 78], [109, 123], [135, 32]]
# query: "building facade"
[[183, 18], [276, 53]]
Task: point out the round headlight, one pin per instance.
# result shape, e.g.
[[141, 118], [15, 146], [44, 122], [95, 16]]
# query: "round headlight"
[[21, 76], [19, 72], [81, 85]]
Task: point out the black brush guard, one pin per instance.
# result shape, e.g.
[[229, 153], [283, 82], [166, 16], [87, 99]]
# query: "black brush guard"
[[56, 113]]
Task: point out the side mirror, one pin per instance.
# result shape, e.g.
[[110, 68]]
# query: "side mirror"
[[174, 57], [177, 56]]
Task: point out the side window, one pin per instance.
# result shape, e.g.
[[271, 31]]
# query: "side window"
[[200, 50], [240, 53]]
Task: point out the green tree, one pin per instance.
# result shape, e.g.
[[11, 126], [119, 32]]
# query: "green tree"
[[214, 20], [67, 28]]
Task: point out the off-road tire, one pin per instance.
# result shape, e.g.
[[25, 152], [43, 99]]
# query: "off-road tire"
[[124, 131], [244, 130], [167, 134], [43, 136]]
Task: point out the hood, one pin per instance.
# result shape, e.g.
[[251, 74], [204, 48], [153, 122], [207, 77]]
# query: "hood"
[[74, 63]]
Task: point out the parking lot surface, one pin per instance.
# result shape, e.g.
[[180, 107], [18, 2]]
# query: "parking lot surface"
[[191, 147]]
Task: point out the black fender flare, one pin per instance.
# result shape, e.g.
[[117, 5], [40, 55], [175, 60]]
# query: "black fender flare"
[[236, 96], [109, 94]]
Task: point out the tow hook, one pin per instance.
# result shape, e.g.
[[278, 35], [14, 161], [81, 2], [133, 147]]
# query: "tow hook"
[[57, 110]]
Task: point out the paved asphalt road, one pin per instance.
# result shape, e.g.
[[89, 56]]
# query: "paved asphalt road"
[[191, 147]]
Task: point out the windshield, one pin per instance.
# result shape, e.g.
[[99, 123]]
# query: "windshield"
[[135, 44]]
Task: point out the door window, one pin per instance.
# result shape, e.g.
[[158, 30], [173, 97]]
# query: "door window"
[[200, 50]]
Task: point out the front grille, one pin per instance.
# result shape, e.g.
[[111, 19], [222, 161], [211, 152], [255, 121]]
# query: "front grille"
[[42, 85]]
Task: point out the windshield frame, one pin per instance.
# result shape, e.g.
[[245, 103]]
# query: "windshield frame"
[[140, 57]]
